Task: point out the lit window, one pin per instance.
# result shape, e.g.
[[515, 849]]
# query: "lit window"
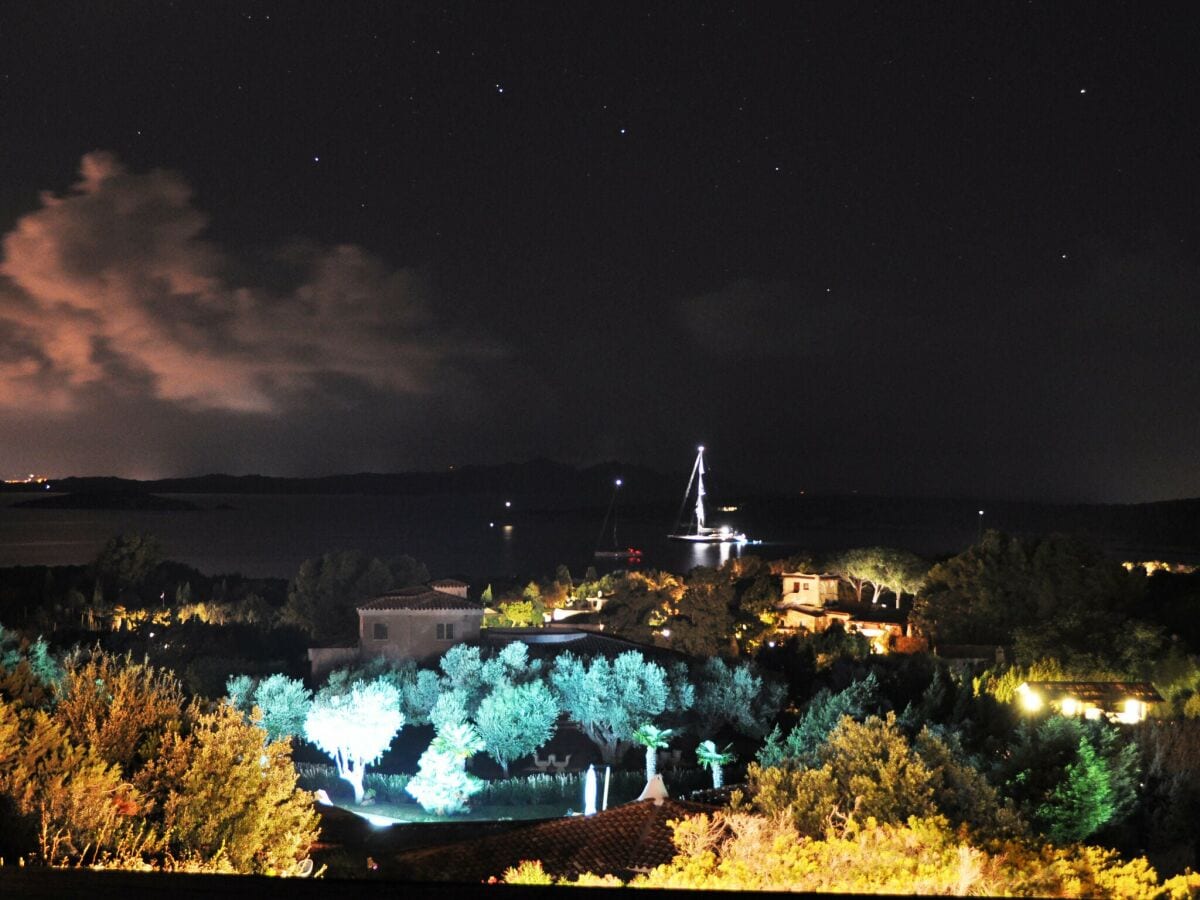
[[379, 631], [445, 632]]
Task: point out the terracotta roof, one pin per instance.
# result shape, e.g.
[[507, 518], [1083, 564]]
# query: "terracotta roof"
[[633, 837], [1101, 692], [420, 598]]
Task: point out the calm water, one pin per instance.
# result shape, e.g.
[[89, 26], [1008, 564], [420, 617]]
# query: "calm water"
[[458, 535]]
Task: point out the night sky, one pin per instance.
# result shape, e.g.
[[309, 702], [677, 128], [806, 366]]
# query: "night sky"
[[944, 249]]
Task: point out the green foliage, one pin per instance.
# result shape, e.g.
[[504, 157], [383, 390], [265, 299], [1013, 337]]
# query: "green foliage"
[[120, 709], [511, 665], [870, 770], [354, 726], [224, 795], [639, 604], [323, 595], [703, 622], [708, 755], [29, 672], [737, 696], [284, 705], [882, 569], [824, 713], [736, 852], [119, 773], [1082, 802], [1053, 598], [520, 614], [125, 561], [608, 699], [1062, 769], [516, 720], [442, 785]]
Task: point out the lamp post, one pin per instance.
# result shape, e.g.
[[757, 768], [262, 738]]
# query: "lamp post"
[[980, 525]]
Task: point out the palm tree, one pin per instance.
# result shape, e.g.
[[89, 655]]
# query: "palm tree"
[[708, 755], [653, 739]]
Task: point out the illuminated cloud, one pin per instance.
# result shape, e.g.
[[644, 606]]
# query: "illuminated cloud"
[[114, 286]]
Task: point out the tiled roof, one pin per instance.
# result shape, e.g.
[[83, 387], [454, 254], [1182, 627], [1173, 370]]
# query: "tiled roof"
[[1104, 692], [420, 598], [630, 838]]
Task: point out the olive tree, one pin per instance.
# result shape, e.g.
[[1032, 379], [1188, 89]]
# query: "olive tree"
[[515, 720], [355, 727], [609, 699]]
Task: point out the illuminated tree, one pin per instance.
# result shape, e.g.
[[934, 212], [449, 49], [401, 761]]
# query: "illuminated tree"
[[59, 797], [708, 755], [607, 699], [282, 703], [702, 623], [355, 727], [824, 712], [119, 708], [516, 720], [442, 785], [511, 665], [736, 696], [653, 739], [462, 674], [228, 797], [923, 856]]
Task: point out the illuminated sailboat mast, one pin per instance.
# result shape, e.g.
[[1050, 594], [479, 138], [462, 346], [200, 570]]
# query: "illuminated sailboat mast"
[[699, 532]]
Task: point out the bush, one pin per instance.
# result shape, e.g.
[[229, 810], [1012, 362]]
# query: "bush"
[[386, 788], [565, 789]]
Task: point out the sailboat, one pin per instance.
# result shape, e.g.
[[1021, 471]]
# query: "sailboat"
[[614, 550], [698, 532]]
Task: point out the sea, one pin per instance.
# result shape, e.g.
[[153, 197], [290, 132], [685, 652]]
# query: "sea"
[[474, 537]]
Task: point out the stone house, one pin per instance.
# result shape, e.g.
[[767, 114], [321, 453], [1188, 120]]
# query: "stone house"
[[804, 589], [418, 622]]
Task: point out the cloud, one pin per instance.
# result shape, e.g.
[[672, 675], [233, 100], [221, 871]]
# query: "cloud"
[[115, 287]]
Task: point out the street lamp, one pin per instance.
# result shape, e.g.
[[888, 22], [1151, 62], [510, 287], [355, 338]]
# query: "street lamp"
[[981, 525]]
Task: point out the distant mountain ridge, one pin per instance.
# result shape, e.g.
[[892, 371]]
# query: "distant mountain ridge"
[[1171, 527], [536, 479]]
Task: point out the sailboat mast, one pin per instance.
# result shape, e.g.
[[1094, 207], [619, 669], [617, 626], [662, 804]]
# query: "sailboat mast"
[[700, 490]]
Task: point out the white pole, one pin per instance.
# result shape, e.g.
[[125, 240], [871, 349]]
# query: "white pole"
[[607, 772]]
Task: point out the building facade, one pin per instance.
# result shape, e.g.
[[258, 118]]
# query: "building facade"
[[418, 622]]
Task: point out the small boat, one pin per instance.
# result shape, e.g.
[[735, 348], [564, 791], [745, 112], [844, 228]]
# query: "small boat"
[[698, 532], [614, 550]]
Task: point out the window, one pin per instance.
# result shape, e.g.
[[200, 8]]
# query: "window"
[[379, 631], [806, 585], [445, 632]]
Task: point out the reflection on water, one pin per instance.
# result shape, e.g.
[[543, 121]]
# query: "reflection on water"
[[474, 537]]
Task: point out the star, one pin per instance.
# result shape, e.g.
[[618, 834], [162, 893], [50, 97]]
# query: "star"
[[622, 131], [316, 159]]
